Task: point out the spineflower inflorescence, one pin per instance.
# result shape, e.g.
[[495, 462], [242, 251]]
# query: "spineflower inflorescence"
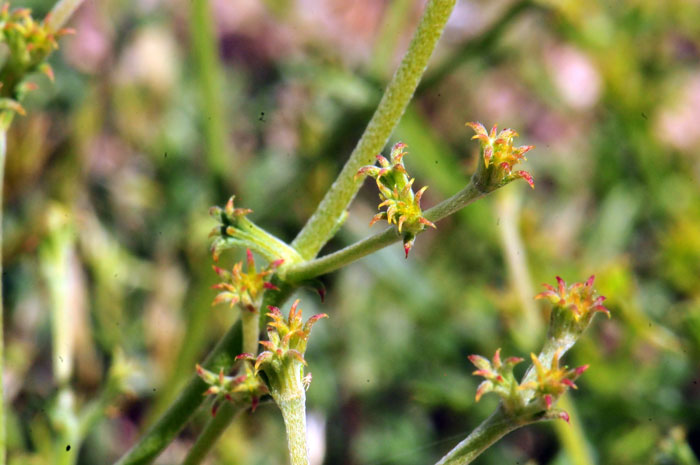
[[579, 298], [244, 288], [229, 219], [546, 380], [244, 388], [573, 307], [552, 382], [283, 360], [28, 43], [499, 378], [396, 193], [500, 157], [548, 384]]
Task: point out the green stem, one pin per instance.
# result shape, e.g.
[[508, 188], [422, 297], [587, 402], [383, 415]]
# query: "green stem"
[[214, 429], [251, 330], [157, 438], [312, 268], [476, 47], [319, 228], [294, 414], [484, 436], [61, 13], [249, 235], [210, 78]]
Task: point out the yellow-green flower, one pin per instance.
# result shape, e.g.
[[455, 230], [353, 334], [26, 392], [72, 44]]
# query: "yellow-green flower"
[[244, 288], [396, 193], [500, 157]]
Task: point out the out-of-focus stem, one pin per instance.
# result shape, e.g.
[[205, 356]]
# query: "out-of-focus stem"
[[210, 79], [318, 230], [571, 435], [214, 429], [5, 120], [61, 13], [476, 46], [528, 327]]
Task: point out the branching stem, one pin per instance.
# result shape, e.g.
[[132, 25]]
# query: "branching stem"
[[320, 227], [312, 268]]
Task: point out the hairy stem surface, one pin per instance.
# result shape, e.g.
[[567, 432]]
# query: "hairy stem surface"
[[320, 227], [294, 414], [484, 436]]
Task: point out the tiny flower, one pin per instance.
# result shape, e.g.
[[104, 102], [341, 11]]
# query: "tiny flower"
[[283, 360], [28, 43], [229, 219], [552, 382], [396, 193], [579, 298], [244, 288], [500, 157], [235, 230], [244, 388], [499, 378]]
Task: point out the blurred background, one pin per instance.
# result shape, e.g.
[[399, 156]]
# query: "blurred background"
[[161, 109]]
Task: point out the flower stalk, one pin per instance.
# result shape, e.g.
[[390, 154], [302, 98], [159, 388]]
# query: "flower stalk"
[[235, 230], [320, 227], [532, 399]]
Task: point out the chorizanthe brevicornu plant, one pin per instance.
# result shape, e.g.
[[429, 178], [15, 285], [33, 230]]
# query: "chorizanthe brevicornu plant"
[[532, 399], [279, 369]]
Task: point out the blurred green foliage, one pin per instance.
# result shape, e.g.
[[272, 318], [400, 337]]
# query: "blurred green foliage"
[[134, 147]]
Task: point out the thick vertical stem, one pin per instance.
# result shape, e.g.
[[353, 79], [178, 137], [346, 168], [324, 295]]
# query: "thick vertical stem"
[[294, 413], [210, 79], [398, 94], [251, 330]]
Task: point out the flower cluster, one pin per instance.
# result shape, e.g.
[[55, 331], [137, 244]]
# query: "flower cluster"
[[396, 192], [579, 298], [244, 287], [574, 307], [283, 362], [244, 388], [545, 381], [229, 219], [499, 377], [500, 157], [29, 43], [552, 382]]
